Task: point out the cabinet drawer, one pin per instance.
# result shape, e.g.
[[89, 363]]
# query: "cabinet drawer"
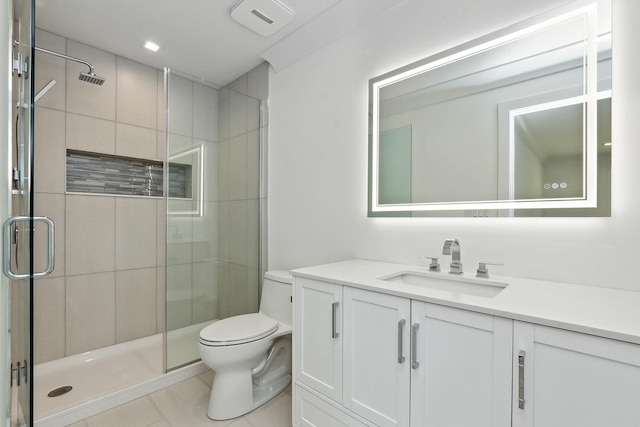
[[312, 411]]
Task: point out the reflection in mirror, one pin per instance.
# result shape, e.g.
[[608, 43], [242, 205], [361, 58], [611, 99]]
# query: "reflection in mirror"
[[186, 175], [481, 129], [395, 166], [549, 156], [547, 145]]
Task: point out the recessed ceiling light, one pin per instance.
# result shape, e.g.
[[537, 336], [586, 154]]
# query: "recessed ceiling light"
[[151, 46]]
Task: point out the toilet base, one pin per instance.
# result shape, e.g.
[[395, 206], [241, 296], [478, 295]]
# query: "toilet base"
[[263, 395], [233, 398], [238, 392], [231, 395]]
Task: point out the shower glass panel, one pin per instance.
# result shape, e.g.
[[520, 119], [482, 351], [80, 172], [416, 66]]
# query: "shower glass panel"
[[21, 232], [213, 210]]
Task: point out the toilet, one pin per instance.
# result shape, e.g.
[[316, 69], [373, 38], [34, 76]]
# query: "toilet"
[[250, 353]]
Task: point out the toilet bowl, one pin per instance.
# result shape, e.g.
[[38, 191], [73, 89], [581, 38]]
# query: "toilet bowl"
[[250, 353]]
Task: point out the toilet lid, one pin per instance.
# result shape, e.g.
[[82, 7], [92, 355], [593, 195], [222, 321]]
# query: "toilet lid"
[[238, 329]]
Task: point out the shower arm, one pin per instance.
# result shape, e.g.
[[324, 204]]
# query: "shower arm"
[[60, 55]]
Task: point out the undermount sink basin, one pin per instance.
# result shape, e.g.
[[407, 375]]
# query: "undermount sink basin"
[[454, 284]]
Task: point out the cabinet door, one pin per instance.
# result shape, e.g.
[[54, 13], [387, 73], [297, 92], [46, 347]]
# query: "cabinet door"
[[317, 336], [376, 362], [462, 371], [573, 379]]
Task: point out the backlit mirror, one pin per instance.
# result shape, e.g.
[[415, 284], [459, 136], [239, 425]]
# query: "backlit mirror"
[[516, 123]]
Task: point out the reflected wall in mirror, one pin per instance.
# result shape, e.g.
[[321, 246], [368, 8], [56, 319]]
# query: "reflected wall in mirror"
[[185, 178], [483, 129]]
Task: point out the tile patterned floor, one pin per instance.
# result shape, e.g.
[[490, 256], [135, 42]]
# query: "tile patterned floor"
[[185, 405]]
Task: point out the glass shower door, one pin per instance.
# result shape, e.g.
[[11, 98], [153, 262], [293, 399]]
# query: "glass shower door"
[[20, 228], [17, 229]]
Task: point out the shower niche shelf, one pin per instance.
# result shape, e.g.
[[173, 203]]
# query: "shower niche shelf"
[[97, 173]]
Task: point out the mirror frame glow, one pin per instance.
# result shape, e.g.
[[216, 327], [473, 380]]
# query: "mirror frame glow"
[[586, 9]]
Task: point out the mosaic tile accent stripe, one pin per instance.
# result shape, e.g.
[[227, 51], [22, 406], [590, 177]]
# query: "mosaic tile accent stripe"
[[104, 174]]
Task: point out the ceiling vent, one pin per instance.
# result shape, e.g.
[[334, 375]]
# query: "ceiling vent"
[[264, 17]]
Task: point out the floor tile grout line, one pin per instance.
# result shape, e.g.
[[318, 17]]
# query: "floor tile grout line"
[[162, 417]]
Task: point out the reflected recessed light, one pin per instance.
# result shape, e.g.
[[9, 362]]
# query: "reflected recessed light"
[[151, 46], [607, 144]]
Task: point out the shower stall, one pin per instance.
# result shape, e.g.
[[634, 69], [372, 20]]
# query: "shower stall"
[[154, 181]]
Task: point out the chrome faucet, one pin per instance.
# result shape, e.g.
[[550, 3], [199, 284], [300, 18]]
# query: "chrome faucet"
[[452, 247]]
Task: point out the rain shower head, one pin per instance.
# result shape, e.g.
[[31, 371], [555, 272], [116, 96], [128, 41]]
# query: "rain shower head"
[[85, 77], [91, 78]]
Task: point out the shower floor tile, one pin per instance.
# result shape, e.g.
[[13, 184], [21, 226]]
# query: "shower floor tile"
[[185, 404]]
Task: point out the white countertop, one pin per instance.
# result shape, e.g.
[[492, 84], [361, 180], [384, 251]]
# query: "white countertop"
[[605, 312]]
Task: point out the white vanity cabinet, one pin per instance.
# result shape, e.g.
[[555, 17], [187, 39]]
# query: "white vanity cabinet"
[[463, 372], [564, 378], [317, 336], [402, 362], [373, 352], [376, 362]]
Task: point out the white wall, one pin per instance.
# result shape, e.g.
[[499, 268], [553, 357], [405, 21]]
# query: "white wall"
[[318, 157]]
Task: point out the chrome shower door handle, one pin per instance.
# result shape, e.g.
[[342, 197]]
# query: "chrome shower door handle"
[[51, 248], [414, 346], [7, 252], [401, 324], [334, 320]]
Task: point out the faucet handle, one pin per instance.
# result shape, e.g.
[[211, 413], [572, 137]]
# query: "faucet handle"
[[434, 265], [483, 271]]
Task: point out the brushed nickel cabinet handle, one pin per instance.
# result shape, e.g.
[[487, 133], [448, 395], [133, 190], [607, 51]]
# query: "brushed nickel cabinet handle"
[[401, 324], [521, 355], [334, 320], [414, 346]]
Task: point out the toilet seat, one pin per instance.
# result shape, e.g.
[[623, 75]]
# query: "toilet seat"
[[238, 330]]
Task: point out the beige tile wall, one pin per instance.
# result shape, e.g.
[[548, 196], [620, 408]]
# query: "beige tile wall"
[[214, 269], [90, 312], [241, 202], [108, 285], [192, 279]]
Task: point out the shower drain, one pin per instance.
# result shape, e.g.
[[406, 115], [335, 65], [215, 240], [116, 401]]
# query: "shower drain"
[[60, 391]]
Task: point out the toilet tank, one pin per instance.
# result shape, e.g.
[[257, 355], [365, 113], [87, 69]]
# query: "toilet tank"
[[276, 296]]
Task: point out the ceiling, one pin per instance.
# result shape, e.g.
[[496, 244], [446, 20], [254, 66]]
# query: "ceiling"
[[199, 37]]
